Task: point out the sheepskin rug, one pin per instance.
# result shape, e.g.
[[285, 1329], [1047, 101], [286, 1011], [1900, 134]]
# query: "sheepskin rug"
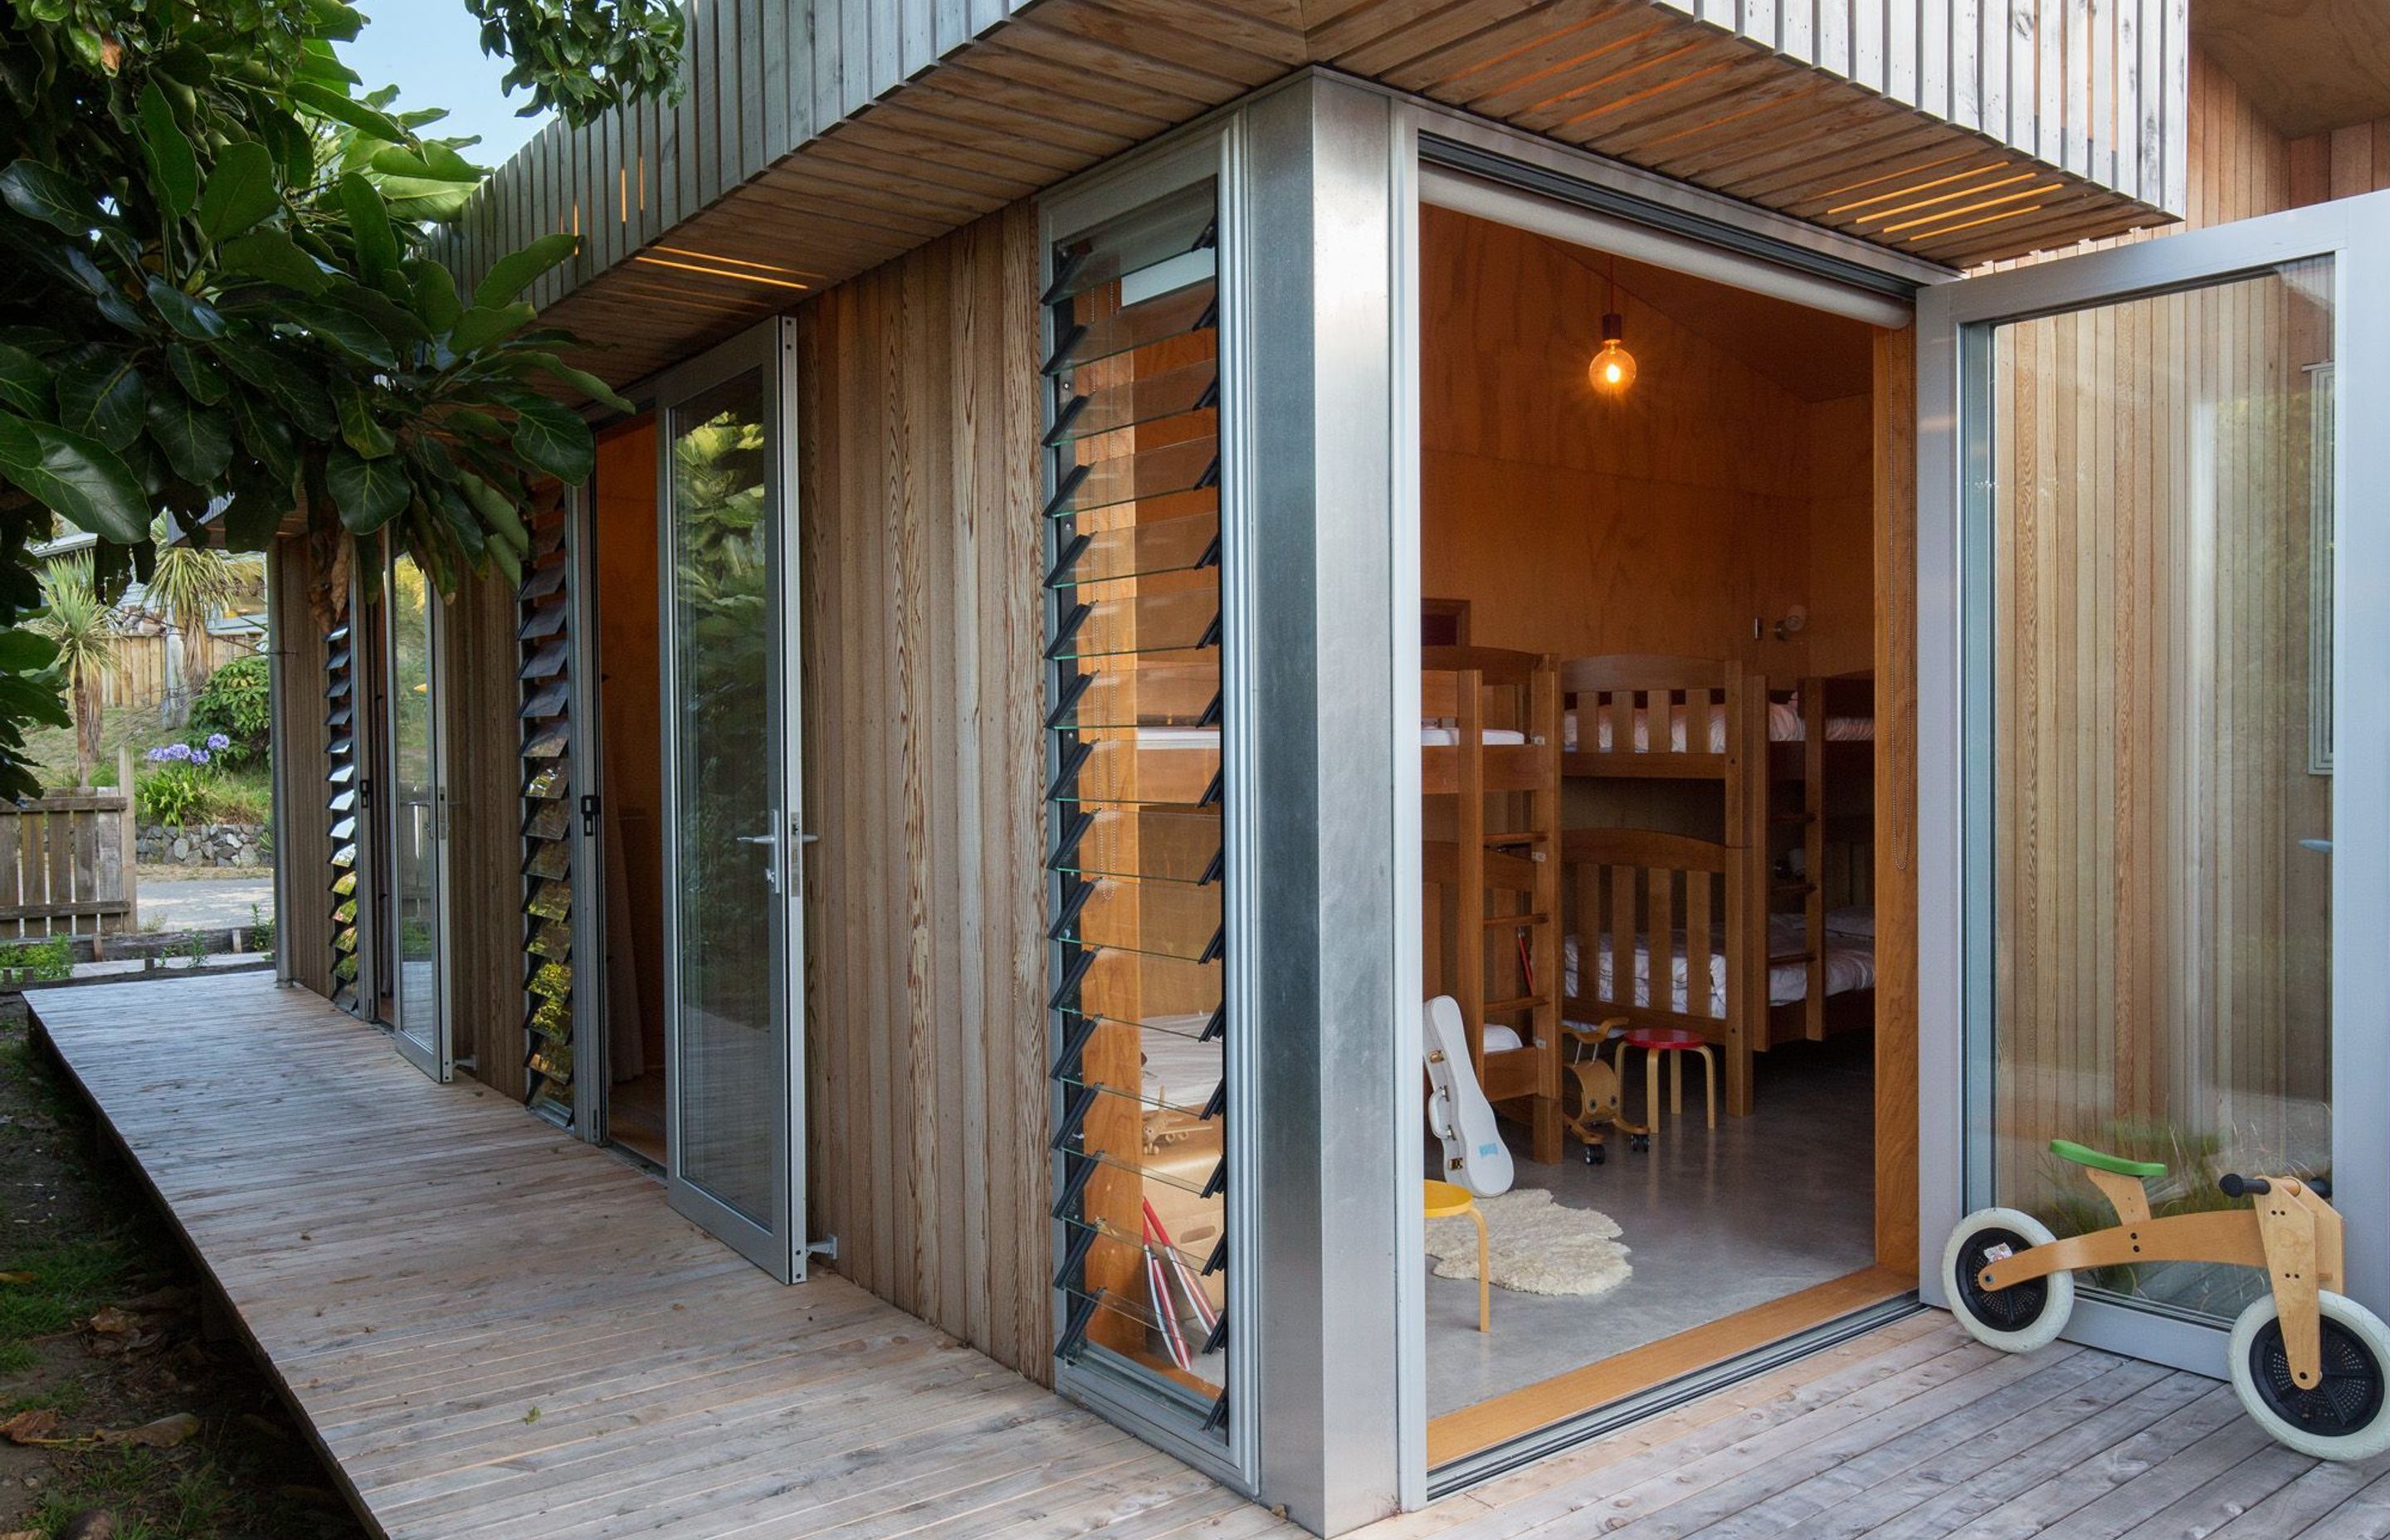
[[1538, 1247]]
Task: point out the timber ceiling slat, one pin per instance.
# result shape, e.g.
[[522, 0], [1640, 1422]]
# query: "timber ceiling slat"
[[1059, 34], [931, 102], [1140, 113], [1764, 107], [973, 75], [1662, 59], [1518, 63], [970, 173], [1695, 104], [1200, 47], [1336, 25], [904, 128], [1412, 50]]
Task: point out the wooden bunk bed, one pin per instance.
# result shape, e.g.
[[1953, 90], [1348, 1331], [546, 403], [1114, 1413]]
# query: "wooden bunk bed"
[[1489, 772], [1772, 906]]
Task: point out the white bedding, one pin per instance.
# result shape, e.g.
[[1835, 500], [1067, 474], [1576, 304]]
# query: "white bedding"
[[1785, 725], [1850, 964], [1435, 735]]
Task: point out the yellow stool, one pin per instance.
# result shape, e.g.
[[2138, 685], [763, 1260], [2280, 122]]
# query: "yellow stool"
[[1445, 1201]]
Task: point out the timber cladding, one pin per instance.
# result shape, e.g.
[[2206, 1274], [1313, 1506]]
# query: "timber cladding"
[[921, 609]]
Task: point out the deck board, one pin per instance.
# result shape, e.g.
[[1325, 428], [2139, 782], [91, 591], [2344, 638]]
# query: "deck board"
[[421, 1266]]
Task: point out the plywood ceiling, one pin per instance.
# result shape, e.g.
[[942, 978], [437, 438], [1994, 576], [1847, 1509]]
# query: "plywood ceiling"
[[2305, 65]]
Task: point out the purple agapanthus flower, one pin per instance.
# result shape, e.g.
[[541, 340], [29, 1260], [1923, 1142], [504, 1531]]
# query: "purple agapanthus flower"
[[199, 756], [157, 756], [178, 751], [217, 742]]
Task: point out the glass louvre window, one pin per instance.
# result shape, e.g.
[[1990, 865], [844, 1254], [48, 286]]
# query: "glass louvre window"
[[1133, 719]]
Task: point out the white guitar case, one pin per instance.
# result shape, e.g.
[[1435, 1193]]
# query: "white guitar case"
[[1475, 1155]]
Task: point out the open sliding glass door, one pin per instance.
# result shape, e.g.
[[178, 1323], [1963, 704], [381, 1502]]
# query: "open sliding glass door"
[[412, 767], [733, 877], [2154, 744]]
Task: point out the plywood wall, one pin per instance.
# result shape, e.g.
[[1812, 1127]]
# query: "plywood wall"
[[1669, 519], [921, 614]]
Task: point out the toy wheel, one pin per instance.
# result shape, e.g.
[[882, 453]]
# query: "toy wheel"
[[1640, 1142], [1593, 1155], [2020, 1317], [2346, 1415]]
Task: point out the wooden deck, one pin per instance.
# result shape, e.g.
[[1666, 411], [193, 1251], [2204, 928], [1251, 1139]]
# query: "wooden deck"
[[495, 1330]]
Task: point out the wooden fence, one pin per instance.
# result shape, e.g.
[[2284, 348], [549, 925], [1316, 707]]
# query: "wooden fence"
[[64, 866], [139, 677]]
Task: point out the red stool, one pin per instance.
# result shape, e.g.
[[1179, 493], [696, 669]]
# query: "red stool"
[[1675, 1042]]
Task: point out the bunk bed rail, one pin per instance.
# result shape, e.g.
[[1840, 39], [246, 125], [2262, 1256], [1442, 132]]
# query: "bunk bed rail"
[[1660, 926]]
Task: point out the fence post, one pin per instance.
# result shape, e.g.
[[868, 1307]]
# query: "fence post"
[[129, 832]]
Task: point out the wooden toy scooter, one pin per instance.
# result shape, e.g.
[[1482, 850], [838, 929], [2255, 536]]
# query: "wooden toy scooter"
[[2310, 1365], [1592, 1091]]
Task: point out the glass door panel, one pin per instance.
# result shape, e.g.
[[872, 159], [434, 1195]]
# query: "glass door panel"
[[735, 881], [2160, 778], [2153, 797], [417, 812]]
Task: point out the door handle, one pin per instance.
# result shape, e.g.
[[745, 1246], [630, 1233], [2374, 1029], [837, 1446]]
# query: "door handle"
[[755, 839], [2321, 847]]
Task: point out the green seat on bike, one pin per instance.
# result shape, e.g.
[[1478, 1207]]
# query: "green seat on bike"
[[2083, 1155]]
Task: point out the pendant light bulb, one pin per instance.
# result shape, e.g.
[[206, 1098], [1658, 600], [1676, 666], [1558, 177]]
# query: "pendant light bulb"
[[1612, 369]]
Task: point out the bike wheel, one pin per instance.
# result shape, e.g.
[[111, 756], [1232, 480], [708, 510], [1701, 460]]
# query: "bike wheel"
[[2020, 1317], [2345, 1415]]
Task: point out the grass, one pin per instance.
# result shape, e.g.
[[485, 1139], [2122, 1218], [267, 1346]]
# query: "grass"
[[73, 1218]]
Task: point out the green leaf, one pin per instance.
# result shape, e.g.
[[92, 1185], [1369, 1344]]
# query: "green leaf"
[[511, 274], [324, 102], [433, 291], [348, 331], [172, 165], [551, 436], [198, 442], [266, 437], [23, 651], [319, 63], [329, 19], [43, 193], [81, 481], [24, 381], [196, 375], [99, 397], [196, 320], [241, 190], [432, 161], [368, 493], [481, 325], [369, 225], [364, 431], [582, 380], [271, 255], [496, 511], [300, 392]]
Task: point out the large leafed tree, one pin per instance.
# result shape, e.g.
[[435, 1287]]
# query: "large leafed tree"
[[223, 300]]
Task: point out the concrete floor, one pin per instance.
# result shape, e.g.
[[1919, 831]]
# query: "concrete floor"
[[1715, 1224]]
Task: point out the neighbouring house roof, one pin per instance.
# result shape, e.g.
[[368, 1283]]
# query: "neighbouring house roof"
[[817, 138]]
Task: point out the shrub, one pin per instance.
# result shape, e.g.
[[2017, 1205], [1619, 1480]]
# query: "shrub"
[[237, 705], [26, 962], [173, 794]]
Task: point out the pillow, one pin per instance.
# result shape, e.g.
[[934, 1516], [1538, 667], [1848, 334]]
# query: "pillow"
[[1850, 922]]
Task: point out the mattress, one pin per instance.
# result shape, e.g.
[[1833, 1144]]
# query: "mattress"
[[1785, 725], [1850, 965]]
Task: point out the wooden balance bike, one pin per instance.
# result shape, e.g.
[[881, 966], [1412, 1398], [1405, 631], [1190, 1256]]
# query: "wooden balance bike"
[[2310, 1366]]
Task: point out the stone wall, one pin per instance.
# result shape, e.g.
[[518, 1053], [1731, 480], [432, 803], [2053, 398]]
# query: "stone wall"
[[204, 845]]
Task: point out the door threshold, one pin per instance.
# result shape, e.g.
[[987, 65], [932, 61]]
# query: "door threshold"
[[1472, 1445]]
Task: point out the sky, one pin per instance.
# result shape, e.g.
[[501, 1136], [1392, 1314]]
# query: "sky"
[[431, 51]]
